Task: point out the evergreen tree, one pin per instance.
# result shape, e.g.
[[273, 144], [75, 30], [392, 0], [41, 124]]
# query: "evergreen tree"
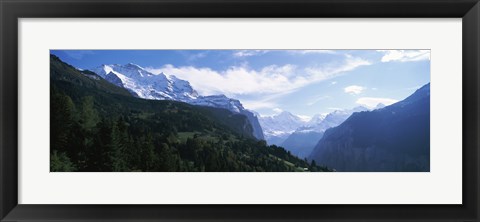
[[59, 162], [89, 115], [118, 146], [147, 152], [62, 114]]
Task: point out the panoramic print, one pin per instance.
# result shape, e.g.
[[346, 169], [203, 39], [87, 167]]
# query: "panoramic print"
[[240, 110]]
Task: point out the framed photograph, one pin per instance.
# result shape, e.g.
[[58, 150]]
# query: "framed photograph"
[[225, 110]]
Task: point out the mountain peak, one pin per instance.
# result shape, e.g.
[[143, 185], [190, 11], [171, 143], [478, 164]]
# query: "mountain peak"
[[219, 96], [379, 106], [133, 65], [425, 88], [285, 113], [405, 145], [420, 93], [289, 116], [316, 119], [359, 109], [144, 84]]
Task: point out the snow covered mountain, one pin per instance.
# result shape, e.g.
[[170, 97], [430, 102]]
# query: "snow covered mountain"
[[284, 121], [278, 127], [380, 106], [146, 85], [302, 141], [316, 119], [333, 119]]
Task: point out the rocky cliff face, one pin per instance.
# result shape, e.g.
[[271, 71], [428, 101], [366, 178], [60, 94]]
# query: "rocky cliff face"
[[221, 101], [257, 129]]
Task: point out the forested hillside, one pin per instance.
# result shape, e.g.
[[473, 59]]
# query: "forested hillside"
[[98, 126]]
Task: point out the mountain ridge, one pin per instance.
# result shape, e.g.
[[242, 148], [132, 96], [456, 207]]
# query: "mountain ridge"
[[390, 139], [276, 128], [96, 126], [144, 84], [304, 139]]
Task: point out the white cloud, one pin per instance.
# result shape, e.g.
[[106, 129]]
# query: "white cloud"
[[267, 84], [269, 80], [328, 72], [333, 83], [196, 56], [354, 89], [277, 110], [317, 99], [305, 118], [258, 104], [235, 80], [404, 55], [335, 108], [268, 101], [247, 53], [372, 102]]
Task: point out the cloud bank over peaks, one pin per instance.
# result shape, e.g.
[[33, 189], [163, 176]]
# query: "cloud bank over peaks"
[[269, 80]]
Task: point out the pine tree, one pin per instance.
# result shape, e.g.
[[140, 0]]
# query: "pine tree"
[[62, 117], [118, 148], [89, 116], [59, 162], [147, 150]]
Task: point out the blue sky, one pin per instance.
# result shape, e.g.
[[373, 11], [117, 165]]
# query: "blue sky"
[[303, 82]]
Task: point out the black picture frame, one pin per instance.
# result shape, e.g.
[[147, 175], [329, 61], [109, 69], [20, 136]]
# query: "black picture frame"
[[12, 10]]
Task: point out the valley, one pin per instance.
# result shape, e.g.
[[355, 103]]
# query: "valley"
[[115, 117]]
